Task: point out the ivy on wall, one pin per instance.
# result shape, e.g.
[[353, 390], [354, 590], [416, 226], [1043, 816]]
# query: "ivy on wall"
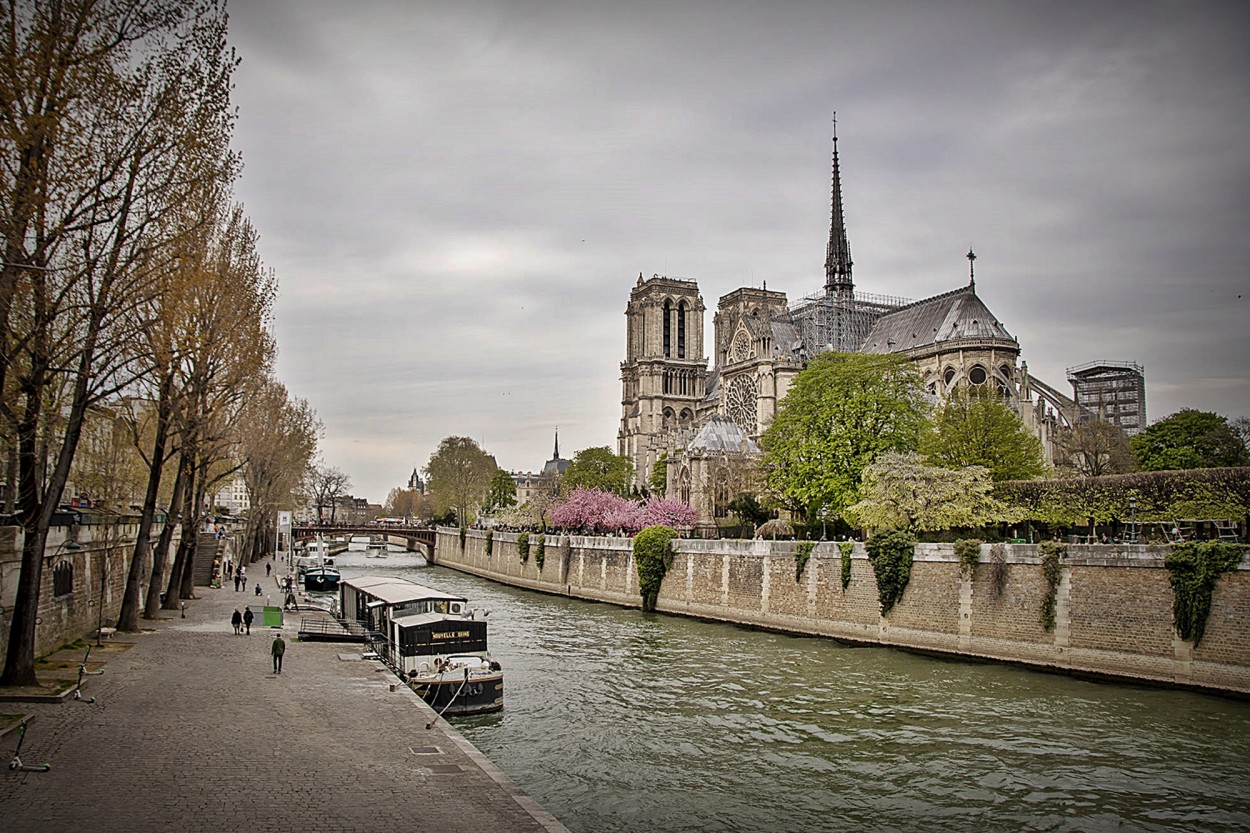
[[1053, 554], [891, 554], [523, 546], [968, 551], [998, 569], [802, 553], [1196, 567], [653, 553], [540, 549], [846, 548], [462, 537], [1160, 496], [490, 542]]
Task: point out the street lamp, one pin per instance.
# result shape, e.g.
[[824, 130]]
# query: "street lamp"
[[824, 517], [1132, 509]]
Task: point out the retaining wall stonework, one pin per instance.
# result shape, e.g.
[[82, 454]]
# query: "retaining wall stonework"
[[1113, 613]]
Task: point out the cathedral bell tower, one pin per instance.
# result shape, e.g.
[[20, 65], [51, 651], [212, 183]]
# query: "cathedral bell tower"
[[664, 375]]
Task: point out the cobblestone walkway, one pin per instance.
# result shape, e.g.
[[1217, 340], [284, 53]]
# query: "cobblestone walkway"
[[192, 732]]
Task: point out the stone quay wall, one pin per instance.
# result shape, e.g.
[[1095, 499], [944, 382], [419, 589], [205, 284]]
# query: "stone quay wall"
[[98, 556], [1113, 612]]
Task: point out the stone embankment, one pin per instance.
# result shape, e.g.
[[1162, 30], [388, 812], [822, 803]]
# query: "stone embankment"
[[1113, 607], [191, 731]]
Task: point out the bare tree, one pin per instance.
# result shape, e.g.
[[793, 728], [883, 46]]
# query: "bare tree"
[[327, 484], [108, 109]]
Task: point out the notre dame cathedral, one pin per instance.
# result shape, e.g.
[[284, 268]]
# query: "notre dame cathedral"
[[699, 420]]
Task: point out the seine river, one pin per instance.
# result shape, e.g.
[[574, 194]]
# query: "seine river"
[[620, 722]]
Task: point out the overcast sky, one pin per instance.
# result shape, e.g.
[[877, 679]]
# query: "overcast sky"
[[458, 197]]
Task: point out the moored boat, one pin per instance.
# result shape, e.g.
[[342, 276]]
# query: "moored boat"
[[433, 640], [321, 577]]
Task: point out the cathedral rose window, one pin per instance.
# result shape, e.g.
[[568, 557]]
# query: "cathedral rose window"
[[741, 402], [977, 375]]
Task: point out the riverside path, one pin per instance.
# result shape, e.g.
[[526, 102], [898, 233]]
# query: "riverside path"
[[191, 731]]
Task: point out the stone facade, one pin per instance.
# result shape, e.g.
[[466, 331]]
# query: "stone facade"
[[92, 562], [1113, 612]]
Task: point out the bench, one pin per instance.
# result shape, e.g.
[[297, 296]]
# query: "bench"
[[107, 633]]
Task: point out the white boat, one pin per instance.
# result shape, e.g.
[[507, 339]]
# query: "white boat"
[[433, 640], [377, 549]]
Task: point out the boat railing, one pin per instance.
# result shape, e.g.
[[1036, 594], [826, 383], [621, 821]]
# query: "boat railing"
[[328, 629]]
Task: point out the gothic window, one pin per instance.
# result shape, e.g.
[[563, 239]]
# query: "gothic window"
[[977, 375], [669, 418], [63, 578], [1006, 371], [741, 346], [683, 488], [681, 330], [949, 376], [668, 325], [686, 416], [741, 402]]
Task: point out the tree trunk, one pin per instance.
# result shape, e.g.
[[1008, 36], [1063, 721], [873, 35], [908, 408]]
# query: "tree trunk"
[[128, 617], [160, 556], [186, 543]]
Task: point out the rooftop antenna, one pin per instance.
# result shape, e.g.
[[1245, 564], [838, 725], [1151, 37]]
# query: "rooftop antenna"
[[972, 275]]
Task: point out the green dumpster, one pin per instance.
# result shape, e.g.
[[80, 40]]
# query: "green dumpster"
[[272, 617]]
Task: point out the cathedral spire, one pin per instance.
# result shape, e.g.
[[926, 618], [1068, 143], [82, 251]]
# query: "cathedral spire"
[[838, 254], [972, 275], [555, 455]]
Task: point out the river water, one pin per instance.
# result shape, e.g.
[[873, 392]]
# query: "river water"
[[620, 722]]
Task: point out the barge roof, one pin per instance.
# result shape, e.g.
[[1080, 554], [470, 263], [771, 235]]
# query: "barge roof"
[[397, 590]]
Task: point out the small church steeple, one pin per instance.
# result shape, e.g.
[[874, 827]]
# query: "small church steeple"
[[838, 253], [555, 455], [972, 275]]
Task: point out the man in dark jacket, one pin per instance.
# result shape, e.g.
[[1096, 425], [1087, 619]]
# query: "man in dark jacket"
[[247, 619], [277, 649]]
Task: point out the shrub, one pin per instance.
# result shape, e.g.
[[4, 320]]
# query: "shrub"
[[462, 535], [1196, 567], [490, 542], [653, 553], [891, 554], [523, 546], [540, 549]]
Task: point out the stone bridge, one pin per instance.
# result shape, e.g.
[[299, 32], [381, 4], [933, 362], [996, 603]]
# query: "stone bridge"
[[412, 537]]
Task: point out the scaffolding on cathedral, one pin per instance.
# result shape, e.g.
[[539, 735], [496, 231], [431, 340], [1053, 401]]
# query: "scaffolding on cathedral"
[[827, 321]]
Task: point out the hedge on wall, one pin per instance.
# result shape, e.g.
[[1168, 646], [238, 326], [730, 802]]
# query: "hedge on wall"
[[653, 553], [540, 550], [891, 554], [523, 546], [846, 548], [490, 542], [801, 554], [968, 550], [1161, 496], [1053, 554], [1195, 569]]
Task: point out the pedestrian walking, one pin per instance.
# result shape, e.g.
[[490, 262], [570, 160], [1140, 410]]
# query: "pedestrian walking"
[[268, 567], [277, 649], [237, 620], [247, 619], [236, 582]]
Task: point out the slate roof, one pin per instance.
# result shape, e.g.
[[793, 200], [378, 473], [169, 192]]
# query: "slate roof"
[[952, 316], [722, 434]]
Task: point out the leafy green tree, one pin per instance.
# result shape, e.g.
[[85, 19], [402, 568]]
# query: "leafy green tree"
[[598, 468], [841, 413], [976, 428], [658, 482], [1189, 439], [458, 476], [502, 492], [748, 509], [901, 492]]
